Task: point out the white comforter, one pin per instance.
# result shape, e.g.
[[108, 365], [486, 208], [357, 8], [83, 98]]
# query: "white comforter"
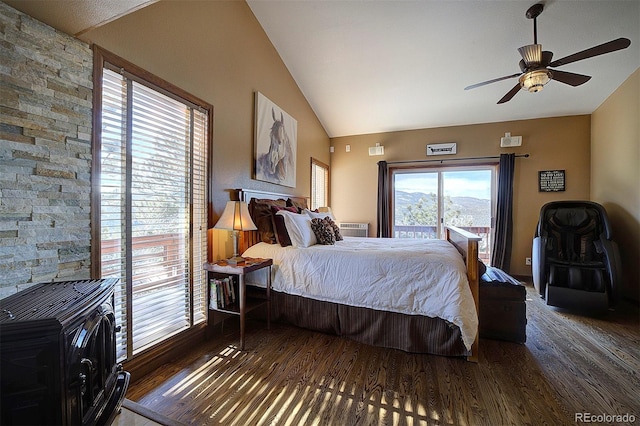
[[416, 277]]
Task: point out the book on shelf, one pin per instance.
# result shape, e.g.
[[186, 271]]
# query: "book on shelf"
[[214, 294], [232, 289], [221, 292]]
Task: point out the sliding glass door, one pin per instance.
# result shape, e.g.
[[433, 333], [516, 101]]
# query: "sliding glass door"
[[427, 200], [416, 212]]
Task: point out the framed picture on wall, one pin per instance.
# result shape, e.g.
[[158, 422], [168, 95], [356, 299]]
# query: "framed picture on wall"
[[276, 139]]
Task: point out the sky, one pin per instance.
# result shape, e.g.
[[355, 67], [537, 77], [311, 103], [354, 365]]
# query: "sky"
[[474, 183]]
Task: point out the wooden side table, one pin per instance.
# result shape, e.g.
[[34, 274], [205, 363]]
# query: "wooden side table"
[[244, 304]]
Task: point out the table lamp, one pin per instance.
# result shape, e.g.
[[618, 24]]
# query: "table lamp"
[[236, 218]]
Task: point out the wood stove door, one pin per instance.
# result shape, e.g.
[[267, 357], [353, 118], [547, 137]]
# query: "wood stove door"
[[93, 370]]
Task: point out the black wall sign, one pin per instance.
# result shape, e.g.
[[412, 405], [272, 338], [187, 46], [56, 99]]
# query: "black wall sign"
[[551, 180]]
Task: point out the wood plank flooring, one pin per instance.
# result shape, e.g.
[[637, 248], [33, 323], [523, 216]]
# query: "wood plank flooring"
[[290, 376]]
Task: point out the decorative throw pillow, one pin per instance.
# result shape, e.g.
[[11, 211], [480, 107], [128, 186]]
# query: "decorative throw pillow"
[[279, 227], [260, 211], [336, 228], [319, 215], [323, 231], [299, 203]]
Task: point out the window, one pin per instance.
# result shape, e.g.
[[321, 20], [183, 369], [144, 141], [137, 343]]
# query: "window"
[[319, 184], [427, 200], [150, 218]]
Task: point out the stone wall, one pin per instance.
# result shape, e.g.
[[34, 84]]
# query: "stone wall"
[[45, 153]]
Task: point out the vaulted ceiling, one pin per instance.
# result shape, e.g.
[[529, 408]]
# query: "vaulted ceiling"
[[375, 66]]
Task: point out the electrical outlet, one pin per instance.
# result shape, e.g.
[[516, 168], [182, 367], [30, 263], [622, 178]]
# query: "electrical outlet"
[[527, 261]]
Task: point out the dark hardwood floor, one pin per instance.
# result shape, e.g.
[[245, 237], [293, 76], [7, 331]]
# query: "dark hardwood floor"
[[570, 364]]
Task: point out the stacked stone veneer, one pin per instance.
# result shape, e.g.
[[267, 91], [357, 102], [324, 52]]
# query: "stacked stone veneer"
[[45, 153]]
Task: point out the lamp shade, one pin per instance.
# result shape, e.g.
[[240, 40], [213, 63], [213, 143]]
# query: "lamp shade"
[[236, 217]]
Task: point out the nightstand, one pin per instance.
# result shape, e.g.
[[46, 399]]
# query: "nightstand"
[[244, 304]]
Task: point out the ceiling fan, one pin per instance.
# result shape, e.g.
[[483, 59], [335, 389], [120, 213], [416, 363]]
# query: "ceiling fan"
[[536, 63]]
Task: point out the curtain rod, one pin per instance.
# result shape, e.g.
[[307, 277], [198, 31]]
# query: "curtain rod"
[[454, 159]]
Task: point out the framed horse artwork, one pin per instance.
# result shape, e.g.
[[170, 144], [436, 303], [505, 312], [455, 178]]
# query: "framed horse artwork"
[[276, 134]]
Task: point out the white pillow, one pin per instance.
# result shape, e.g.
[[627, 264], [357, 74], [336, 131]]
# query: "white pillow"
[[319, 215], [299, 228]]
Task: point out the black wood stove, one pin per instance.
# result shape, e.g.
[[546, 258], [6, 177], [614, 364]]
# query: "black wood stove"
[[58, 348]]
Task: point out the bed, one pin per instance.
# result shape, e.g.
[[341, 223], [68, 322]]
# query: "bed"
[[418, 296]]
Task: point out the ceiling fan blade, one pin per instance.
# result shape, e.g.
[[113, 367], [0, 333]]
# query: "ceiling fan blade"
[[612, 46], [510, 94], [484, 83], [570, 78]]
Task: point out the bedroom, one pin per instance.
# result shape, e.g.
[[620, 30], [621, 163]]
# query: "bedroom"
[[235, 42]]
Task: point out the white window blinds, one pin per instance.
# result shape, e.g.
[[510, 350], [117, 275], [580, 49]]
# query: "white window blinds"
[[153, 217], [319, 184]]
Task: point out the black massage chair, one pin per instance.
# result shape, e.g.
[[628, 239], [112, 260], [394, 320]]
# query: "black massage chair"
[[575, 262]]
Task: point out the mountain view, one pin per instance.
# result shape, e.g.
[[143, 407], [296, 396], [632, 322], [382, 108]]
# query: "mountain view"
[[469, 211]]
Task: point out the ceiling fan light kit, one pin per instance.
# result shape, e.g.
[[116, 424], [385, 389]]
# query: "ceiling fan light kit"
[[534, 81], [535, 63]]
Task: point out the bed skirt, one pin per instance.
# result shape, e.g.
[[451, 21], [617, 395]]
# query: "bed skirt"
[[409, 333]]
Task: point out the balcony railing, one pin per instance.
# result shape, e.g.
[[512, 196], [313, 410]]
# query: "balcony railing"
[[423, 231], [159, 278]]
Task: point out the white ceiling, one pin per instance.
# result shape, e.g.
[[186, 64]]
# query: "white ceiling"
[[375, 66]]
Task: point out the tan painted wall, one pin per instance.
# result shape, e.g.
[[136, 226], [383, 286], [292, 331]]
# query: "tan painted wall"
[[553, 143], [615, 173], [219, 52]]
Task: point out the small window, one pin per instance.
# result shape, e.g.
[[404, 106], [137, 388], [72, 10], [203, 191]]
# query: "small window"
[[319, 184]]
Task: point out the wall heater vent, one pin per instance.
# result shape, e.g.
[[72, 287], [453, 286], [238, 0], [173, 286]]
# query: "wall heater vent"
[[349, 229]]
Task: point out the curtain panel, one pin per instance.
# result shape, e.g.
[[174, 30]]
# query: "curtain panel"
[[384, 221], [501, 254]]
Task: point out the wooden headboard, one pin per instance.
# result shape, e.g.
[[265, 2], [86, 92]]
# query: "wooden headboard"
[[247, 194], [249, 238]]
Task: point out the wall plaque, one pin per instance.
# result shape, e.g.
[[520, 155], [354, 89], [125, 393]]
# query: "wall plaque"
[[551, 180], [441, 148]]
